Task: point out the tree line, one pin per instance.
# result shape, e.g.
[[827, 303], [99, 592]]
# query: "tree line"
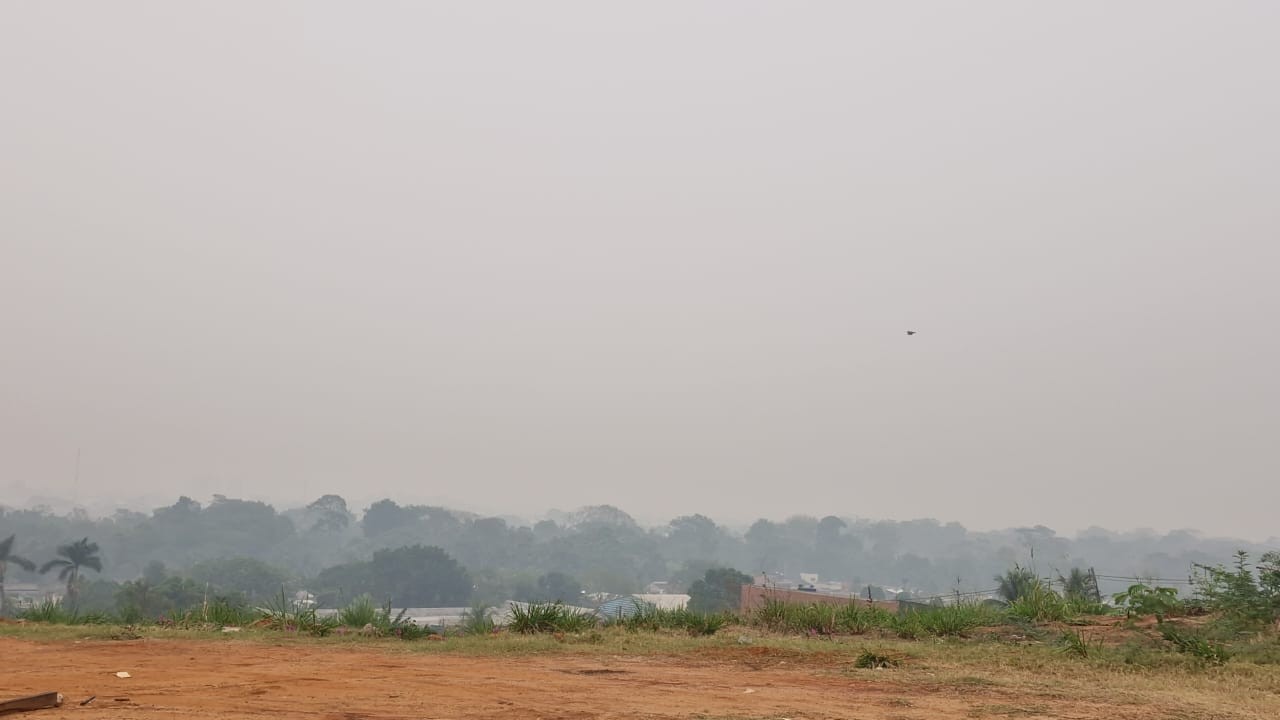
[[190, 549]]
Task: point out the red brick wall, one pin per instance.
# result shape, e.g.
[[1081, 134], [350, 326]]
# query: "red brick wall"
[[754, 596]]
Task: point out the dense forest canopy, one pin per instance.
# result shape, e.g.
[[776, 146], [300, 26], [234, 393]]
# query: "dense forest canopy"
[[330, 549]]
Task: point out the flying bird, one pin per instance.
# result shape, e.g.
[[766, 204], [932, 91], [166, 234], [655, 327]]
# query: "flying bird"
[[911, 332]]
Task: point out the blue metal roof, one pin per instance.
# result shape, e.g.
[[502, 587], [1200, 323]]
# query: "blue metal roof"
[[621, 607]]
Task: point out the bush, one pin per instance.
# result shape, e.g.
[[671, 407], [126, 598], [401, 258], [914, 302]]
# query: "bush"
[[1140, 599], [877, 659]]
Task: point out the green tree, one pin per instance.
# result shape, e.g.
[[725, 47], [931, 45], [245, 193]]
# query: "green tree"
[[79, 554], [1078, 585], [1016, 583], [719, 590], [257, 580], [329, 514], [558, 587], [7, 556], [385, 515], [414, 576]]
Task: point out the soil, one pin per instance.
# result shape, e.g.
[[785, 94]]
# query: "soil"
[[173, 678]]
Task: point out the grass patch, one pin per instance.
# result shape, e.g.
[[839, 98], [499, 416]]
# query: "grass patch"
[[551, 617]]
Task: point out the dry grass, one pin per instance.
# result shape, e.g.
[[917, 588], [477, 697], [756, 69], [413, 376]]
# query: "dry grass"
[[1028, 678]]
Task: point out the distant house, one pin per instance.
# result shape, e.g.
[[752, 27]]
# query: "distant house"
[[629, 605], [621, 608], [26, 595], [664, 601]]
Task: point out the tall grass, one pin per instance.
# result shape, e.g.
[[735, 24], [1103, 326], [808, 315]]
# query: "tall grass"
[[477, 621], [653, 619], [948, 620], [53, 613], [1040, 604], [283, 613], [224, 613], [820, 619], [47, 611], [856, 619], [549, 618]]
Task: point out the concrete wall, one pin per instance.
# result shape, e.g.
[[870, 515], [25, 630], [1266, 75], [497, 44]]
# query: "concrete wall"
[[754, 596]]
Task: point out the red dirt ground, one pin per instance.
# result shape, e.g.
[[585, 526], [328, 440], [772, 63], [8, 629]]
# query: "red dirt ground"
[[173, 678]]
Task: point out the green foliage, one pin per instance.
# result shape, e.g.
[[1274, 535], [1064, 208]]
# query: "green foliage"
[[72, 558], [8, 557], [253, 578], [478, 621], [1140, 599], [1201, 648], [555, 587], [652, 619], [359, 612], [1080, 586], [958, 619], [225, 613], [1245, 598], [1015, 583], [1038, 603], [550, 617], [1078, 645], [719, 590], [414, 576], [878, 659], [821, 619], [47, 611], [285, 614], [399, 626]]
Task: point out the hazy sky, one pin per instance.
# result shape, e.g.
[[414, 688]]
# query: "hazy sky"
[[660, 255]]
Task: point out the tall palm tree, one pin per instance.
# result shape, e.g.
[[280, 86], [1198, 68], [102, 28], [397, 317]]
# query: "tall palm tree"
[[79, 554], [6, 557]]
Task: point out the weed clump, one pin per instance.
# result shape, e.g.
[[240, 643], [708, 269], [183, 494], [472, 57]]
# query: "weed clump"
[[878, 659]]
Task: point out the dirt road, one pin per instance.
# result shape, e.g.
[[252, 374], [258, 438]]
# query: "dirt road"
[[243, 679]]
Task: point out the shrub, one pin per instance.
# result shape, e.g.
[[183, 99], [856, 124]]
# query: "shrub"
[[1244, 599], [1140, 599]]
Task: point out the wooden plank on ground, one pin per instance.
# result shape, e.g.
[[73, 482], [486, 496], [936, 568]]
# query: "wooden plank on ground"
[[35, 702]]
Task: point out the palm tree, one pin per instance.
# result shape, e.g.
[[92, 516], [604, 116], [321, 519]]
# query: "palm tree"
[[79, 554], [6, 557], [1076, 585], [1016, 583]]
